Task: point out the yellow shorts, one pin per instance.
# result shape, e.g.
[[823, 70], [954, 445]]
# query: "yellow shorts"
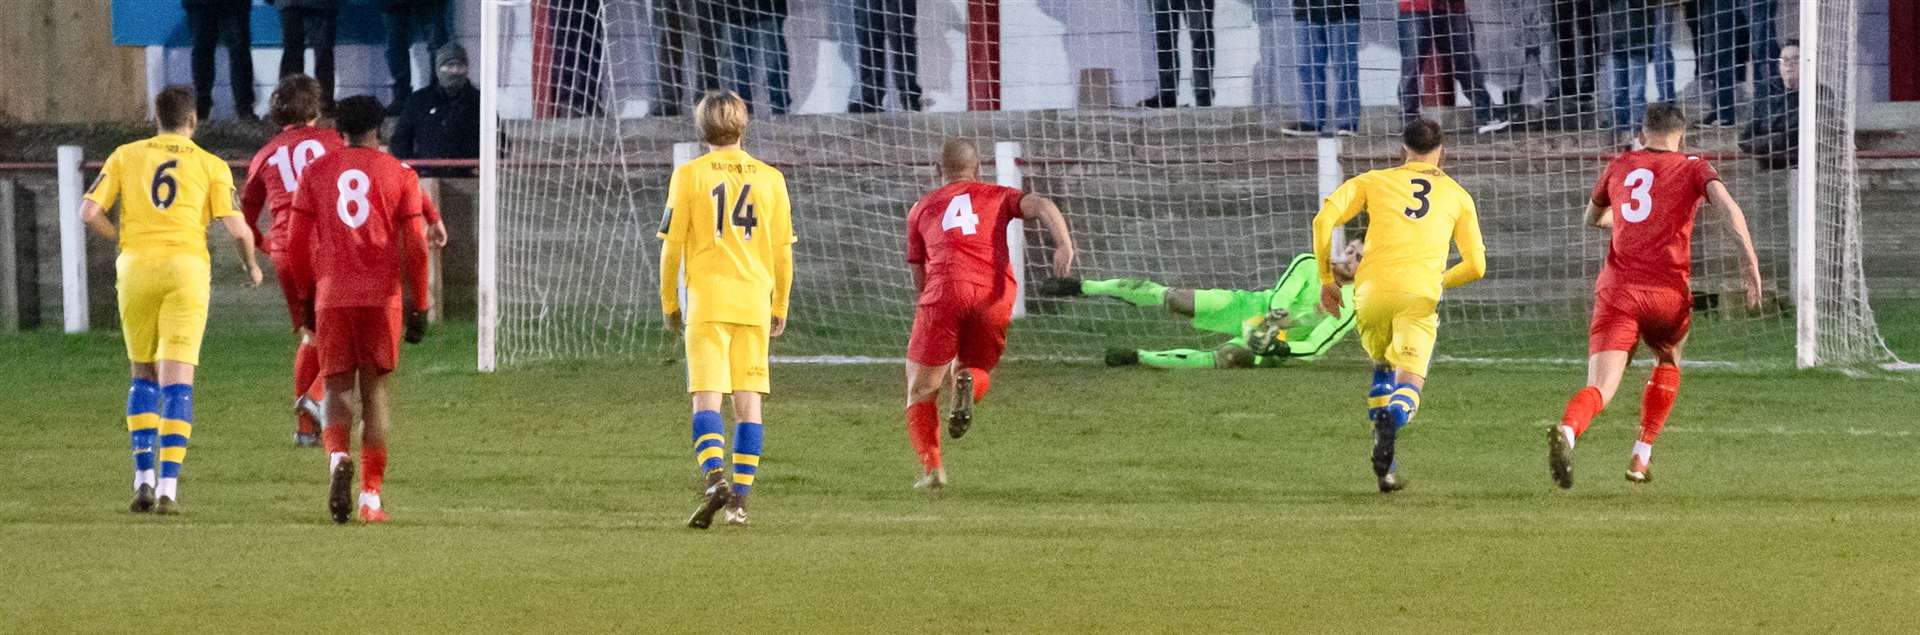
[[163, 305], [726, 358], [1397, 328]]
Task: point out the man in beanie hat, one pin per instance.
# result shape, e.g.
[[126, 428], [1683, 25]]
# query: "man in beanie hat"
[[441, 121]]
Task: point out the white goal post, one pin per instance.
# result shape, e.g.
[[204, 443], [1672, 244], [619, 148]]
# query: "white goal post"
[[579, 131]]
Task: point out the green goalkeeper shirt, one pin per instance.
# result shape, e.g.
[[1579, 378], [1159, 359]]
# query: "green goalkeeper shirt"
[[1313, 333]]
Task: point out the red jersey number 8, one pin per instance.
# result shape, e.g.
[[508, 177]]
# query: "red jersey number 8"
[[1639, 204], [353, 206]]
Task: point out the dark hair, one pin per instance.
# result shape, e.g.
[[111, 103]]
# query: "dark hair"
[[356, 115], [174, 107], [1664, 119], [1422, 136], [1795, 43], [296, 100]]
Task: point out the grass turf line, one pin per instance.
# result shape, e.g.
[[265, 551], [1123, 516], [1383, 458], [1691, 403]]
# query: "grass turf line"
[[551, 499]]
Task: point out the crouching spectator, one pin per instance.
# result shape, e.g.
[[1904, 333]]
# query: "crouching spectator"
[[441, 121], [1773, 138]]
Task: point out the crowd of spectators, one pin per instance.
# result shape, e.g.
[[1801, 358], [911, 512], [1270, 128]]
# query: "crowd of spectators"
[[741, 45]]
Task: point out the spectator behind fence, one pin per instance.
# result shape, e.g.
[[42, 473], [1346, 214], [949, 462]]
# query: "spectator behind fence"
[[1197, 16], [1722, 51], [675, 23], [441, 121], [1663, 62], [1774, 138], [221, 22], [308, 24], [887, 40], [1575, 40], [1762, 22], [1442, 29], [1327, 33], [407, 22], [757, 35], [1630, 35], [577, 52]]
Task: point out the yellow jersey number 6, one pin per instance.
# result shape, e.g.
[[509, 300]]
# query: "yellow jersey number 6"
[[163, 180]]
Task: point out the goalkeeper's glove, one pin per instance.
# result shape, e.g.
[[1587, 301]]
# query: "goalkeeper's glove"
[[416, 326]]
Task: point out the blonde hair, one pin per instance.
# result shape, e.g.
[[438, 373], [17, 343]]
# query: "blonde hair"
[[721, 117]]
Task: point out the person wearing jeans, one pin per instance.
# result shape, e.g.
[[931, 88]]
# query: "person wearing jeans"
[[1631, 53], [214, 23], [1327, 33], [1198, 17], [681, 26], [406, 19], [887, 39], [1720, 56], [1663, 63], [1445, 28], [308, 24], [1575, 38], [757, 32], [1762, 20]]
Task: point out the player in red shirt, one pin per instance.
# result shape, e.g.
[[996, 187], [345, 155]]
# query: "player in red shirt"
[[272, 180], [357, 226], [957, 244], [1648, 197]]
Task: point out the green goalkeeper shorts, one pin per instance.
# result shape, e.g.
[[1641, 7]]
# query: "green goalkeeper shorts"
[[1226, 311]]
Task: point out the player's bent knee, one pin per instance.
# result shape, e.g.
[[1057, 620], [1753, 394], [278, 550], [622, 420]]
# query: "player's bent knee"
[[1232, 357]]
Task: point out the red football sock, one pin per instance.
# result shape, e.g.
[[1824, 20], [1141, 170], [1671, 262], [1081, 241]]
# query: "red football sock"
[[1582, 408], [981, 380], [306, 373], [373, 468], [336, 436], [923, 427], [1657, 403]]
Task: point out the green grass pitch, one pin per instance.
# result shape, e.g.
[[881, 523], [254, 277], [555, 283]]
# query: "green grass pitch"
[[1086, 499]]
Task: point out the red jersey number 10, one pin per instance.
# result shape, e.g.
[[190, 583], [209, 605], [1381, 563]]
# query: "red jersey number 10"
[[293, 164], [1639, 204], [960, 216]]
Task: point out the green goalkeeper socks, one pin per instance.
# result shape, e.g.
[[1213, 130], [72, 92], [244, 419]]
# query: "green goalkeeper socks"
[[1132, 291], [1177, 359]]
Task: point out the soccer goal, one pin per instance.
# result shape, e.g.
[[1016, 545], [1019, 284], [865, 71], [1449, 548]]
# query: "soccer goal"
[[576, 164]]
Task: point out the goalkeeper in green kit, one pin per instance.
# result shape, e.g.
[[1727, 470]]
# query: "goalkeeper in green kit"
[[1268, 327]]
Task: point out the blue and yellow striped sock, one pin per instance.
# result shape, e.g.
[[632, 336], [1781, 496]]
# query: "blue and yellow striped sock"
[[1403, 404], [709, 441], [1382, 389], [176, 428], [747, 439], [143, 428]]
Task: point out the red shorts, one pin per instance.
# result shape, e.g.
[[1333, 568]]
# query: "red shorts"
[[282, 269], [1625, 316], [357, 337], [960, 320]]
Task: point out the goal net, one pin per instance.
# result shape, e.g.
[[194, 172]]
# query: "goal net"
[[596, 99]]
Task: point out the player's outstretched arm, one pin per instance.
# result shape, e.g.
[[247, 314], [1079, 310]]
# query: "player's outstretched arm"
[[413, 245], [1599, 215], [1737, 221], [1473, 250], [243, 244], [1341, 206], [1042, 208], [96, 218]]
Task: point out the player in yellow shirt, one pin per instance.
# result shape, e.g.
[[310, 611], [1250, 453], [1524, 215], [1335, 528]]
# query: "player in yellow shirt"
[[168, 190], [1413, 211], [729, 222]]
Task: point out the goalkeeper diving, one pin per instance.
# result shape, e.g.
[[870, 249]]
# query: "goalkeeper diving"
[[1268, 327]]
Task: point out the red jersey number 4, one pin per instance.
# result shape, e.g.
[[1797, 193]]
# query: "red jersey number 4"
[[960, 216]]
